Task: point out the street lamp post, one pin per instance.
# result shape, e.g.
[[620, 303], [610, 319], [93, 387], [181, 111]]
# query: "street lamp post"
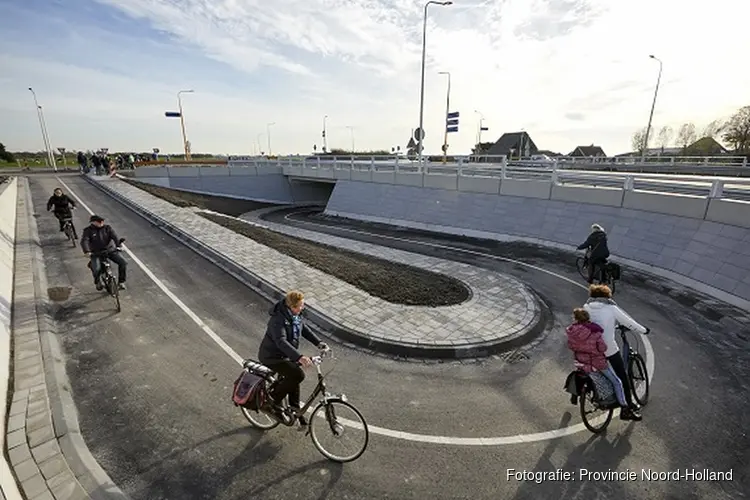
[[268, 129], [182, 122], [421, 91], [325, 139], [351, 131], [653, 105], [479, 127], [45, 137], [447, 110]]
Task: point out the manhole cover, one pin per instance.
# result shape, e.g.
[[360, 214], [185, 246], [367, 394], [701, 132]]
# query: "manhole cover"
[[59, 293]]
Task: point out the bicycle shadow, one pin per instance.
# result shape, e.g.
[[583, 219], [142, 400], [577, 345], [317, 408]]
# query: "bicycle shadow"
[[180, 475], [597, 453], [333, 470]]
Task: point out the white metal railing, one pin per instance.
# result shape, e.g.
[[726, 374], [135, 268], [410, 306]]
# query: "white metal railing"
[[733, 184], [737, 188]]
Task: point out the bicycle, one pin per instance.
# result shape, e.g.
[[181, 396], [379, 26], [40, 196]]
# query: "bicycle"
[[70, 230], [329, 408], [106, 277], [607, 274], [596, 390]]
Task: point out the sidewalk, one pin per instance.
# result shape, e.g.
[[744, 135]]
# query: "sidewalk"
[[501, 309]]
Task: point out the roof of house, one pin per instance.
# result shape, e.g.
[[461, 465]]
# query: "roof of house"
[[512, 140], [588, 151], [707, 144]]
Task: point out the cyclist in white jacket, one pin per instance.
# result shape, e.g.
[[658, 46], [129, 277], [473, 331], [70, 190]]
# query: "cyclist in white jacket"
[[606, 313]]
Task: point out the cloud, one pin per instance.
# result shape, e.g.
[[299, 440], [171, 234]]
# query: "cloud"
[[568, 71]]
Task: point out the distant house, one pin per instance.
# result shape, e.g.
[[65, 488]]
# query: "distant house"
[[588, 152], [513, 144], [706, 146]]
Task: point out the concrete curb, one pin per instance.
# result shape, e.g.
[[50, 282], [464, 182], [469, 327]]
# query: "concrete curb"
[[325, 326], [82, 463]]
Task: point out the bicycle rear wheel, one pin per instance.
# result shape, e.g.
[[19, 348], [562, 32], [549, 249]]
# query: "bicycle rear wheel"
[[638, 376], [339, 422], [258, 418], [594, 422]]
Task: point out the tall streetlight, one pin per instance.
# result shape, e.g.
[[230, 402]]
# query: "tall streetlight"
[[268, 129], [351, 131], [653, 105], [325, 140], [45, 138], [479, 127], [421, 91], [46, 134], [447, 110], [182, 122]]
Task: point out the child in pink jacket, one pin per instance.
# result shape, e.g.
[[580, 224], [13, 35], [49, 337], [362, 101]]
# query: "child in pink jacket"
[[586, 342]]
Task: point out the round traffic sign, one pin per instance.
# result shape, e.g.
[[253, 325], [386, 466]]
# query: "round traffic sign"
[[417, 133]]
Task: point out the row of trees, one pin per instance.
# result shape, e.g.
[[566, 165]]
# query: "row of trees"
[[734, 133], [6, 156]]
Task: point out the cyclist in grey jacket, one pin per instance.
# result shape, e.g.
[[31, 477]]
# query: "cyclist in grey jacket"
[[279, 348]]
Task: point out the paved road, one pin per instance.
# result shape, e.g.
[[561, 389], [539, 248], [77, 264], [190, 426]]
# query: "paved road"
[[153, 392]]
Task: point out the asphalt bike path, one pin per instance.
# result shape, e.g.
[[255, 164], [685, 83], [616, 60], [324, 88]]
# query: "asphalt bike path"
[[152, 391]]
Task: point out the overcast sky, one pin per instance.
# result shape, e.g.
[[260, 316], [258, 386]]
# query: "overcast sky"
[[569, 72]]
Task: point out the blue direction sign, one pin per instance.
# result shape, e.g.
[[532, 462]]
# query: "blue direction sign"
[[451, 122], [172, 114]]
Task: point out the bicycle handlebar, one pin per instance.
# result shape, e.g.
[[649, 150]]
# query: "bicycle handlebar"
[[624, 329]]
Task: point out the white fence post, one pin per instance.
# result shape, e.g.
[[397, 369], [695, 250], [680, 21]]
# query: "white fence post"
[[717, 189]]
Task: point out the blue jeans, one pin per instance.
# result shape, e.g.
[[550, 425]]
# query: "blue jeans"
[[609, 372]]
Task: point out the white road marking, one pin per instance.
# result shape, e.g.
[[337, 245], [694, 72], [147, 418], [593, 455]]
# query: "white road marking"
[[407, 436]]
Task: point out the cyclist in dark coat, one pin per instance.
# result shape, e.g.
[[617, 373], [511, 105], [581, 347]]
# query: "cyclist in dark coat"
[[62, 206], [101, 238], [597, 243], [279, 348]]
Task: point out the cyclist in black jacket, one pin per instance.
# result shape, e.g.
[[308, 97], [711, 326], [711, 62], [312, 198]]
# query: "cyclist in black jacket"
[[279, 349], [62, 206], [101, 238], [597, 243]]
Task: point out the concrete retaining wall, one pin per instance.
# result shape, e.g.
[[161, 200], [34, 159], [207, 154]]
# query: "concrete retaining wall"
[[263, 184], [702, 251], [8, 203]]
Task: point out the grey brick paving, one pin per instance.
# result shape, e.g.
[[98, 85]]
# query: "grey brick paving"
[[342, 302], [39, 466]]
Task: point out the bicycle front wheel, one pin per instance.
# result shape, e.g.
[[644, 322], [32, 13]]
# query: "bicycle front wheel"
[[638, 376], [582, 267], [335, 424]]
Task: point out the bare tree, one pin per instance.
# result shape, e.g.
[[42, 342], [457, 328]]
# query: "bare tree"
[[636, 140], [737, 130], [665, 137], [713, 129], [687, 135]]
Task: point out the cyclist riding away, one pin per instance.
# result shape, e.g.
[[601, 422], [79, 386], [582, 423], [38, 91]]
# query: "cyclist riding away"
[[597, 243], [62, 207], [607, 314], [100, 238], [279, 350]]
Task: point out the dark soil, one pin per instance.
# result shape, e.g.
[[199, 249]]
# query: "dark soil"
[[392, 282], [229, 206]]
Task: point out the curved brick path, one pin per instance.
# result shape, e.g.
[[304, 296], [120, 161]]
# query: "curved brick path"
[[501, 309]]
